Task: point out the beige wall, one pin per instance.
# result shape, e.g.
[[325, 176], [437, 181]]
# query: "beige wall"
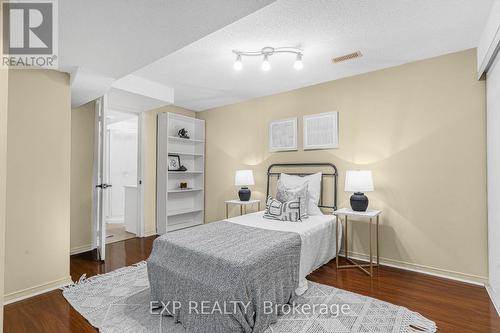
[[3, 164], [420, 127], [82, 164], [38, 182], [150, 164]]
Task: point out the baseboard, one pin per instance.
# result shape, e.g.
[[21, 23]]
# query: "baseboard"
[[115, 220], [37, 290], [447, 274], [495, 297], [150, 233], [81, 249]]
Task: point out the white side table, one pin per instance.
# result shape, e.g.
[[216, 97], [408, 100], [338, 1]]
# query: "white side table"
[[242, 204], [369, 214]]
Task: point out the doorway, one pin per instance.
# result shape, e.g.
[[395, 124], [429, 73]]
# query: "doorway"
[[120, 154], [118, 164]]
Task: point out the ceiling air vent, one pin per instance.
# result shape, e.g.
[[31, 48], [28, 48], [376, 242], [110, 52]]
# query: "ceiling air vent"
[[346, 57]]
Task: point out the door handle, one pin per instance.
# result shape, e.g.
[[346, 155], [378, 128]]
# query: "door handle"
[[104, 186]]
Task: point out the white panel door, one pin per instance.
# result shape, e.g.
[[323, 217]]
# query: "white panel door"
[[100, 186], [493, 143]]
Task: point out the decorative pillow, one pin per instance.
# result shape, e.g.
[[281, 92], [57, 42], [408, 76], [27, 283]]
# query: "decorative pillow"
[[313, 189], [285, 194], [283, 211]]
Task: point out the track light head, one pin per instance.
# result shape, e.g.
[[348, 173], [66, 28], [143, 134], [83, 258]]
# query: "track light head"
[[238, 65], [298, 64], [266, 65]]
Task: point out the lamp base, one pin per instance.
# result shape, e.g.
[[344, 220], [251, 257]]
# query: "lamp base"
[[359, 202], [244, 193]]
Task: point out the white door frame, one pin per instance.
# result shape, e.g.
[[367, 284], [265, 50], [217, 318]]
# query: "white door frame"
[[140, 174], [95, 167], [98, 233]]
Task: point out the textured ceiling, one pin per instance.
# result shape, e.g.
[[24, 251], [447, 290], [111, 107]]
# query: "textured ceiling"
[[116, 37], [387, 32], [101, 41]]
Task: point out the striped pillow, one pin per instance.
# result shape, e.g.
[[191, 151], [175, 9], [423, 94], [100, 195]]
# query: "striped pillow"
[[283, 211]]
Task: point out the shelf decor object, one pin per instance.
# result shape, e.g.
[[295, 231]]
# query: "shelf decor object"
[[244, 178], [359, 181], [283, 135], [183, 134], [177, 206]]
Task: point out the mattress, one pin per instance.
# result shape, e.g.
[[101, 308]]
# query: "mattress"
[[317, 234]]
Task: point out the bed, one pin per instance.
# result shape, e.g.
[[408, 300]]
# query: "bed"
[[222, 276], [317, 240]]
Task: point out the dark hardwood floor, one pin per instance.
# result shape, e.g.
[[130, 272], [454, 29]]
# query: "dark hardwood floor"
[[455, 307]]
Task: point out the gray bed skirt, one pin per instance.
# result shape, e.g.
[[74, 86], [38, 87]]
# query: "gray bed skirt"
[[224, 277]]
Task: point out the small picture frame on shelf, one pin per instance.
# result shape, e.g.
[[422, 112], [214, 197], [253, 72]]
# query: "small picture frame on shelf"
[[174, 162]]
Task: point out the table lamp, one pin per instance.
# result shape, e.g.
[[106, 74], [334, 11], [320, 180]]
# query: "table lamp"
[[244, 178], [359, 181]]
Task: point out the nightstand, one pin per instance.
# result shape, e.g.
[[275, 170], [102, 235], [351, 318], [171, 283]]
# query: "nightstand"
[[369, 214], [242, 204]]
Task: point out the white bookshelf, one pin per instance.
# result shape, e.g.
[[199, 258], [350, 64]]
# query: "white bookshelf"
[[180, 208]]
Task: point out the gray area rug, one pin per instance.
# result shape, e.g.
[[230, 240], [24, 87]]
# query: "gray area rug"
[[119, 302]]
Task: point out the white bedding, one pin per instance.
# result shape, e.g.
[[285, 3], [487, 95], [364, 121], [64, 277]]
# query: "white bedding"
[[317, 234]]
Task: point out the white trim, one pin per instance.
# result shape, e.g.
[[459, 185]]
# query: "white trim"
[[115, 220], [95, 171], [428, 270], [37, 290], [141, 133], [81, 249], [489, 41], [101, 143], [106, 175], [490, 55], [150, 233], [494, 297]]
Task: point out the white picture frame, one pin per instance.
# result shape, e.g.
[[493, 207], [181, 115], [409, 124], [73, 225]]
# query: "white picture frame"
[[321, 131], [283, 135]]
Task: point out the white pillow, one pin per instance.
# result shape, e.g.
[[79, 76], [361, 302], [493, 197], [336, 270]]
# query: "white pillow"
[[313, 189], [285, 194]]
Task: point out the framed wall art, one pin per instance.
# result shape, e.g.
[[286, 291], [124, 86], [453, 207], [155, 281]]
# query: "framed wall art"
[[283, 135], [321, 131]]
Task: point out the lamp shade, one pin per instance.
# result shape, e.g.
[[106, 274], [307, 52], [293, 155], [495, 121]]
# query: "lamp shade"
[[358, 181], [244, 178]]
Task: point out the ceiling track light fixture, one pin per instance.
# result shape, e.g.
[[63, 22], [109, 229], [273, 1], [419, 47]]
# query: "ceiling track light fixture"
[[266, 53]]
